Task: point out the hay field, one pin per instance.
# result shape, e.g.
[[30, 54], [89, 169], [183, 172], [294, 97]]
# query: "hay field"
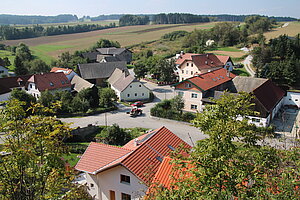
[[292, 29], [126, 36]]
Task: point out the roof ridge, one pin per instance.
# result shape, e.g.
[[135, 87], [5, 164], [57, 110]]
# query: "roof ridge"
[[111, 146]]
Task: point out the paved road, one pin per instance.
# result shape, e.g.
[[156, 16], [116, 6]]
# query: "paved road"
[[183, 130], [247, 63]]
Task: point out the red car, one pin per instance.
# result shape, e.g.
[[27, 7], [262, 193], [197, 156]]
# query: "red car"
[[138, 104]]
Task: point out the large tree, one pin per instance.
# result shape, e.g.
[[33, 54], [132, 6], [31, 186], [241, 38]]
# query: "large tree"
[[33, 168], [229, 164]]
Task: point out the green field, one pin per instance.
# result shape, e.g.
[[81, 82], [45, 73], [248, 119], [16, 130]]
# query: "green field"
[[241, 72], [42, 51], [52, 46], [230, 49]]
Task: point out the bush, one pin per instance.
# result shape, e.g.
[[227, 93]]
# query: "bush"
[[187, 116]]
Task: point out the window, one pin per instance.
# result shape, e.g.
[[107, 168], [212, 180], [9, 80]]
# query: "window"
[[180, 93], [182, 71], [30, 85], [140, 85], [191, 72], [125, 179], [194, 107], [92, 185], [194, 95], [296, 99], [192, 64], [135, 94], [128, 95], [255, 120], [187, 64], [130, 86], [159, 159], [1, 71], [51, 84], [125, 196], [143, 94], [63, 82], [188, 85]]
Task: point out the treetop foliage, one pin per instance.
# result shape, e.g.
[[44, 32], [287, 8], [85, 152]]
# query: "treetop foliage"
[[130, 20]]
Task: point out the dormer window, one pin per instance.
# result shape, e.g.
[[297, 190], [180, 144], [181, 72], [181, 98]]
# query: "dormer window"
[[51, 84], [63, 82]]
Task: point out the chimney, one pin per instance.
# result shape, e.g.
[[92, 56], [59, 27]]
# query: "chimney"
[[136, 142], [228, 73], [207, 55], [181, 53], [206, 62]]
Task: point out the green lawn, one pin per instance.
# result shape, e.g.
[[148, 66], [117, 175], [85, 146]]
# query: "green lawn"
[[41, 51], [232, 49], [8, 54], [240, 72]]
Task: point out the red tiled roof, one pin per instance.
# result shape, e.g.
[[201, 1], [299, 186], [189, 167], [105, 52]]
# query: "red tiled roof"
[[223, 59], [269, 94], [206, 61], [50, 81], [131, 144], [139, 160], [209, 80], [184, 57], [66, 71], [144, 160], [98, 156]]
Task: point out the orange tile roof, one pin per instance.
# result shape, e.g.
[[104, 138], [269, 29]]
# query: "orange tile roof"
[[223, 59], [139, 160], [209, 80], [98, 156], [184, 57], [66, 71]]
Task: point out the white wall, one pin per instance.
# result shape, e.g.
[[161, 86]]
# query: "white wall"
[[136, 91], [111, 180], [292, 98], [187, 70], [33, 90], [188, 100]]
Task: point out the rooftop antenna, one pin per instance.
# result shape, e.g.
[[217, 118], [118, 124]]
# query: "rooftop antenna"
[[191, 139]]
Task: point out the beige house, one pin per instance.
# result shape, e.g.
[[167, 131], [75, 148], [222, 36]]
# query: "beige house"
[[190, 65], [124, 172], [127, 87]]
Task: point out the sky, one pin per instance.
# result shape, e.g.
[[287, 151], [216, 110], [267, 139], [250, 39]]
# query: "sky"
[[290, 8]]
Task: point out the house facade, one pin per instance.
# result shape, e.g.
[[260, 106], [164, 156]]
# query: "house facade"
[[190, 65], [195, 89], [124, 172], [198, 91], [52, 82], [127, 87]]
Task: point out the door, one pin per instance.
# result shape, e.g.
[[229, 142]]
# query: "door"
[[112, 195]]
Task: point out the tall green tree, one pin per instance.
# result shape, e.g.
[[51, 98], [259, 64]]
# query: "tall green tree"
[[20, 69], [106, 97], [33, 168]]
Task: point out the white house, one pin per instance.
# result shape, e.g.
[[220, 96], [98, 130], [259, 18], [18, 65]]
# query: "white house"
[[3, 71], [124, 172], [127, 87], [190, 65], [198, 91], [52, 82], [68, 72]]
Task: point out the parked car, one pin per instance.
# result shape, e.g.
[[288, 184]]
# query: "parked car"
[[138, 104]]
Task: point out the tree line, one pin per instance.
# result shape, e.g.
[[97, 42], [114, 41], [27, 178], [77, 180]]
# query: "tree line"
[[178, 18], [130, 20], [241, 18], [24, 19], [12, 33]]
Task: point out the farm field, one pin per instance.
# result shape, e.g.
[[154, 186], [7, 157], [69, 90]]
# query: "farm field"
[[53, 46], [290, 28]]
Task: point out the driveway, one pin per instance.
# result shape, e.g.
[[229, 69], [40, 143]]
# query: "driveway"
[[247, 64], [185, 131]]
